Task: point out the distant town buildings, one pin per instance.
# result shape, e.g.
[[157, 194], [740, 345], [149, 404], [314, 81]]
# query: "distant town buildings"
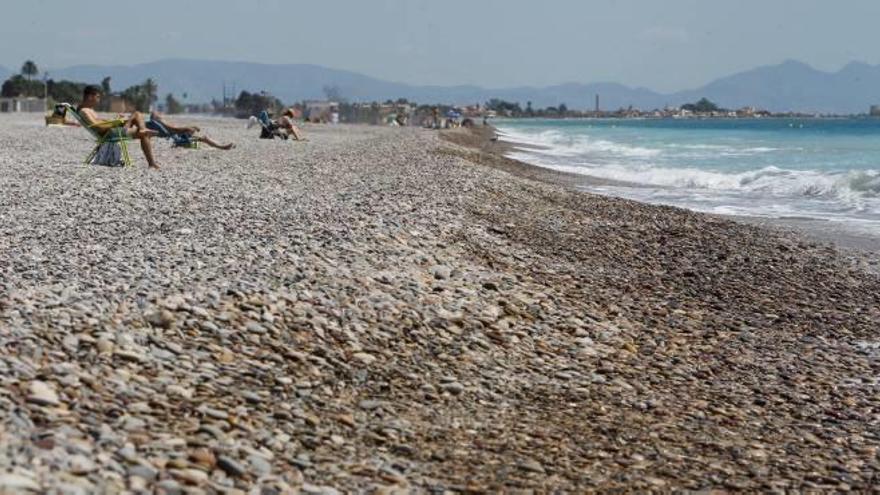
[[22, 104], [319, 110], [669, 113]]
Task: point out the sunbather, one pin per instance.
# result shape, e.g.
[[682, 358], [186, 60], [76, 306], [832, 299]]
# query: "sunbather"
[[134, 126], [286, 123], [188, 133]]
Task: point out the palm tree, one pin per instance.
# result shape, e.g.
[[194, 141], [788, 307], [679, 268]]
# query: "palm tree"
[[29, 69], [150, 90]]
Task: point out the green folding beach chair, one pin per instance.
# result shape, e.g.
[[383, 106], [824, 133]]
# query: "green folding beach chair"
[[111, 148]]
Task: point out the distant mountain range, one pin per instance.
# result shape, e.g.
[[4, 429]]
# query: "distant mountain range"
[[789, 86]]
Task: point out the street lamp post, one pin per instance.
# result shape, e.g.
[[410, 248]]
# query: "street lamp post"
[[46, 90]]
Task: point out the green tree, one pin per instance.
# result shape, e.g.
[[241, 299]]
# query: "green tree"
[[172, 105], [563, 109], [150, 90], [529, 110], [19, 86], [65, 91], [702, 106], [142, 96], [136, 97], [249, 104], [29, 69], [106, 90], [504, 107], [333, 93]]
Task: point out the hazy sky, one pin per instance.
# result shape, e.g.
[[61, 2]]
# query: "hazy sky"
[[661, 44]]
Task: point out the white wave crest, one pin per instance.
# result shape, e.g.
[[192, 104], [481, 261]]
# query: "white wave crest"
[[558, 144], [675, 171], [768, 180]]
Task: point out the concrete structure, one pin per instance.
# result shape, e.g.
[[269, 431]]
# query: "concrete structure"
[[319, 111], [22, 104]]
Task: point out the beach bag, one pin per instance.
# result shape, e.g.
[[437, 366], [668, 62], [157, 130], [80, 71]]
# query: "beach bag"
[[109, 155]]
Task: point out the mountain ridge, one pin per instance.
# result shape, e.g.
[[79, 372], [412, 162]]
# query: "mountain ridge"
[[788, 86]]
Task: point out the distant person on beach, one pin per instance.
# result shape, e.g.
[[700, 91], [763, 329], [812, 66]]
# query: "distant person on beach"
[[134, 126], [192, 132], [58, 116], [286, 123]]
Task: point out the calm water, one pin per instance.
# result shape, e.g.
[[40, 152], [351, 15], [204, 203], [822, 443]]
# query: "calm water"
[[823, 169]]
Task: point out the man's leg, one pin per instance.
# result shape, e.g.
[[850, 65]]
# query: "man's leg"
[[287, 124], [138, 130], [137, 121], [158, 117], [297, 134], [147, 148], [214, 144]]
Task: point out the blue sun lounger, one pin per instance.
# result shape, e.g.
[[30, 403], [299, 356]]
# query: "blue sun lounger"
[[270, 129], [178, 140]]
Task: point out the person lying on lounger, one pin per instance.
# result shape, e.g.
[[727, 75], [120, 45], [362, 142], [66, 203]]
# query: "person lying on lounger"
[[134, 126], [182, 135]]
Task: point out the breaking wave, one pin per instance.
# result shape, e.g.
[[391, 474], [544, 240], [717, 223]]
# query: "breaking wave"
[[655, 166]]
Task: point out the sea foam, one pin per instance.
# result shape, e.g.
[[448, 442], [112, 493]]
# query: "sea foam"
[[689, 174]]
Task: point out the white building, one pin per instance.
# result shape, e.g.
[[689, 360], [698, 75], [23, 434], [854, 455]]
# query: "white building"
[[22, 104], [319, 109]]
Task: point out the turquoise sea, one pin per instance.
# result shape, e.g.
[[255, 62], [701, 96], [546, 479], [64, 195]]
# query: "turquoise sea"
[[826, 169]]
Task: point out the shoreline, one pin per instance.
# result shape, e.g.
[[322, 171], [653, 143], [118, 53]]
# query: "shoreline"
[[863, 249]]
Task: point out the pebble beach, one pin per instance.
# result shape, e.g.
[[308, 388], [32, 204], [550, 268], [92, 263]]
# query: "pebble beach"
[[396, 310]]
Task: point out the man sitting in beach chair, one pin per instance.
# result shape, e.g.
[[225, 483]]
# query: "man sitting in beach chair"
[[268, 128], [186, 137], [282, 128], [115, 130]]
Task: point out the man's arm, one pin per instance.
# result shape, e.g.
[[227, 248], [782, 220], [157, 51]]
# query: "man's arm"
[[100, 126], [89, 116]]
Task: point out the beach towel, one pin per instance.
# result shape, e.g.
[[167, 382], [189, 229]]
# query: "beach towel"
[[110, 152]]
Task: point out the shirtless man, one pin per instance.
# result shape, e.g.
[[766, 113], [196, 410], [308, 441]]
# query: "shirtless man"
[[134, 127], [286, 123]]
